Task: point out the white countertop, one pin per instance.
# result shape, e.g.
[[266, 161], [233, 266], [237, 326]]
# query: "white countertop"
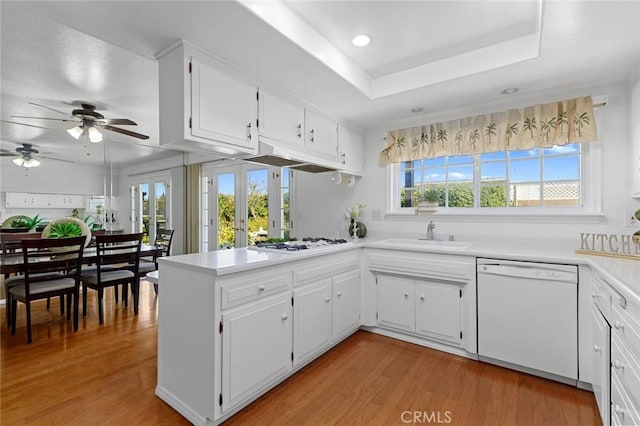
[[623, 274], [223, 262]]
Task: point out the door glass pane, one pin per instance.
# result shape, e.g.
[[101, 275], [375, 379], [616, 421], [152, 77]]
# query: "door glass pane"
[[160, 206], [257, 206], [204, 214], [226, 210], [145, 211], [285, 206]]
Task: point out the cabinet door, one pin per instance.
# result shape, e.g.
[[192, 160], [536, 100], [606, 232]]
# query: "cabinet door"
[[346, 304], [16, 199], [280, 120], [600, 343], [256, 347], [321, 136], [396, 306], [350, 152], [222, 107], [39, 200], [439, 311], [312, 313]]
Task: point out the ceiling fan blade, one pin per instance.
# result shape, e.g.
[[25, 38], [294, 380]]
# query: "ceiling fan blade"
[[46, 118], [125, 132], [25, 124], [55, 159], [49, 108], [9, 154], [117, 122]]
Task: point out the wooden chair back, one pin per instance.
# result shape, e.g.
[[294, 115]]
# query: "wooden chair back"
[[44, 257], [12, 242], [164, 237], [122, 250]]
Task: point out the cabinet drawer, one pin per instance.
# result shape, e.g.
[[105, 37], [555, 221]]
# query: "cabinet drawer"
[[623, 411], [602, 294], [317, 268], [254, 286], [626, 367], [625, 326]]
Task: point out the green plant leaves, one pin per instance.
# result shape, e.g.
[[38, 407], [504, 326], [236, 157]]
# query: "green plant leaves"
[[65, 230]]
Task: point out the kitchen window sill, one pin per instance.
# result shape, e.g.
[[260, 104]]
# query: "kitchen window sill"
[[446, 215]]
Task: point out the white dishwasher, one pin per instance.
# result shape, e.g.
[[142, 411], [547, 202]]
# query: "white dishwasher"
[[528, 317]]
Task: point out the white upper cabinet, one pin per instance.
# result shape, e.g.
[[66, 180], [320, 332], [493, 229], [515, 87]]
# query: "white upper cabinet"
[[635, 138], [350, 150], [203, 108], [279, 120], [321, 136], [222, 107]]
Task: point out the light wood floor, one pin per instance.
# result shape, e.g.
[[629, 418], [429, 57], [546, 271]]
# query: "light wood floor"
[[107, 375]]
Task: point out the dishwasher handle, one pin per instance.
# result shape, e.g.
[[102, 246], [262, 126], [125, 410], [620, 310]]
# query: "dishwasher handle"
[[535, 273]]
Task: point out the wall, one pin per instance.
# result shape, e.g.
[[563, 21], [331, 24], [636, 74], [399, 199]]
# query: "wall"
[[321, 204], [69, 179], [174, 166], [635, 135]]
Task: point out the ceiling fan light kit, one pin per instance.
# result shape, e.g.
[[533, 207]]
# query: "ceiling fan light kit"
[[26, 162], [75, 131]]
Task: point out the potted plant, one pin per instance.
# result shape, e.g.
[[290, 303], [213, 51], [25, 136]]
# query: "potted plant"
[[67, 227], [22, 221], [427, 200]]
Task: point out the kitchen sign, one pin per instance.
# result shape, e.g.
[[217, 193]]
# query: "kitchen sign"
[[615, 245]]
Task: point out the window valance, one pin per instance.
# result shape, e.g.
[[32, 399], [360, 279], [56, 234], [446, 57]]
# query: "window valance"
[[557, 123]]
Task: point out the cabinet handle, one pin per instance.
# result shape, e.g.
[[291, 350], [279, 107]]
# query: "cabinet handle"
[[595, 295], [619, 410], [339, 294], [344, 158], [249, 131], [327, 299], [597, 348], [312, 135], [261, 288], [299, 131], [618, 325], [406, 295], [285, 317], [422, 297], [618, 365]]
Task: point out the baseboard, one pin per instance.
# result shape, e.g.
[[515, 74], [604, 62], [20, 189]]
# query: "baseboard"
[[181, 408]]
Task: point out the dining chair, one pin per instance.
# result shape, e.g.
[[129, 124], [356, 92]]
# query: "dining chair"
[[52, 268], [121, 252], [164, 237], [11, 245]]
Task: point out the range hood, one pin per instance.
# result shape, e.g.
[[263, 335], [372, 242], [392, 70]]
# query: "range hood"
[[294, 159]]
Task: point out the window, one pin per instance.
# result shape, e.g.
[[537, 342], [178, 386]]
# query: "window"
[[547, 178]]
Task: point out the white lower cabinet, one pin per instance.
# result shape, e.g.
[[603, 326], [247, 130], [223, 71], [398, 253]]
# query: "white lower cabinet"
[[600, 340], [312, 327], [346, 304], [396, 306], [256, 347], [439, 311]]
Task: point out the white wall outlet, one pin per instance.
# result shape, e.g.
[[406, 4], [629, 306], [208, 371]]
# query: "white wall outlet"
[[632, 218]]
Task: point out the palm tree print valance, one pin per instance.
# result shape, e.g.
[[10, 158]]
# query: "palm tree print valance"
[[557, 123]]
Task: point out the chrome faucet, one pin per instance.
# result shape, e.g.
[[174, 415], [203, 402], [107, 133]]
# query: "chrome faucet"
[[430, 227]]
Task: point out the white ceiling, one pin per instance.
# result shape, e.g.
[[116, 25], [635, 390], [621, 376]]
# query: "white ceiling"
[[431, 54]]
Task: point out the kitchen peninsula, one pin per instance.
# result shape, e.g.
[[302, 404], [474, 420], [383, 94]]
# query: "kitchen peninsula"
[[257, 316]]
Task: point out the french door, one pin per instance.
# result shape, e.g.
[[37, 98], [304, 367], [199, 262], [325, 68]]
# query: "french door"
[[150, 206], [241, 205]]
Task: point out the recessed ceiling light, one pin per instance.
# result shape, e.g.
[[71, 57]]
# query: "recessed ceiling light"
[[361, 40], [509, 91], [417, 109]]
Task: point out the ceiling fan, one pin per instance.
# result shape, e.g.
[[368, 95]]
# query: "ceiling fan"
[[24, 156], [87, 120]]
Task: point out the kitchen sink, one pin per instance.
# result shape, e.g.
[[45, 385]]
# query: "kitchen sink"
[[435, 244]]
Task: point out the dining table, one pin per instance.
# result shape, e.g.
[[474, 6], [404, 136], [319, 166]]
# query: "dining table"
[[13, 263]]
